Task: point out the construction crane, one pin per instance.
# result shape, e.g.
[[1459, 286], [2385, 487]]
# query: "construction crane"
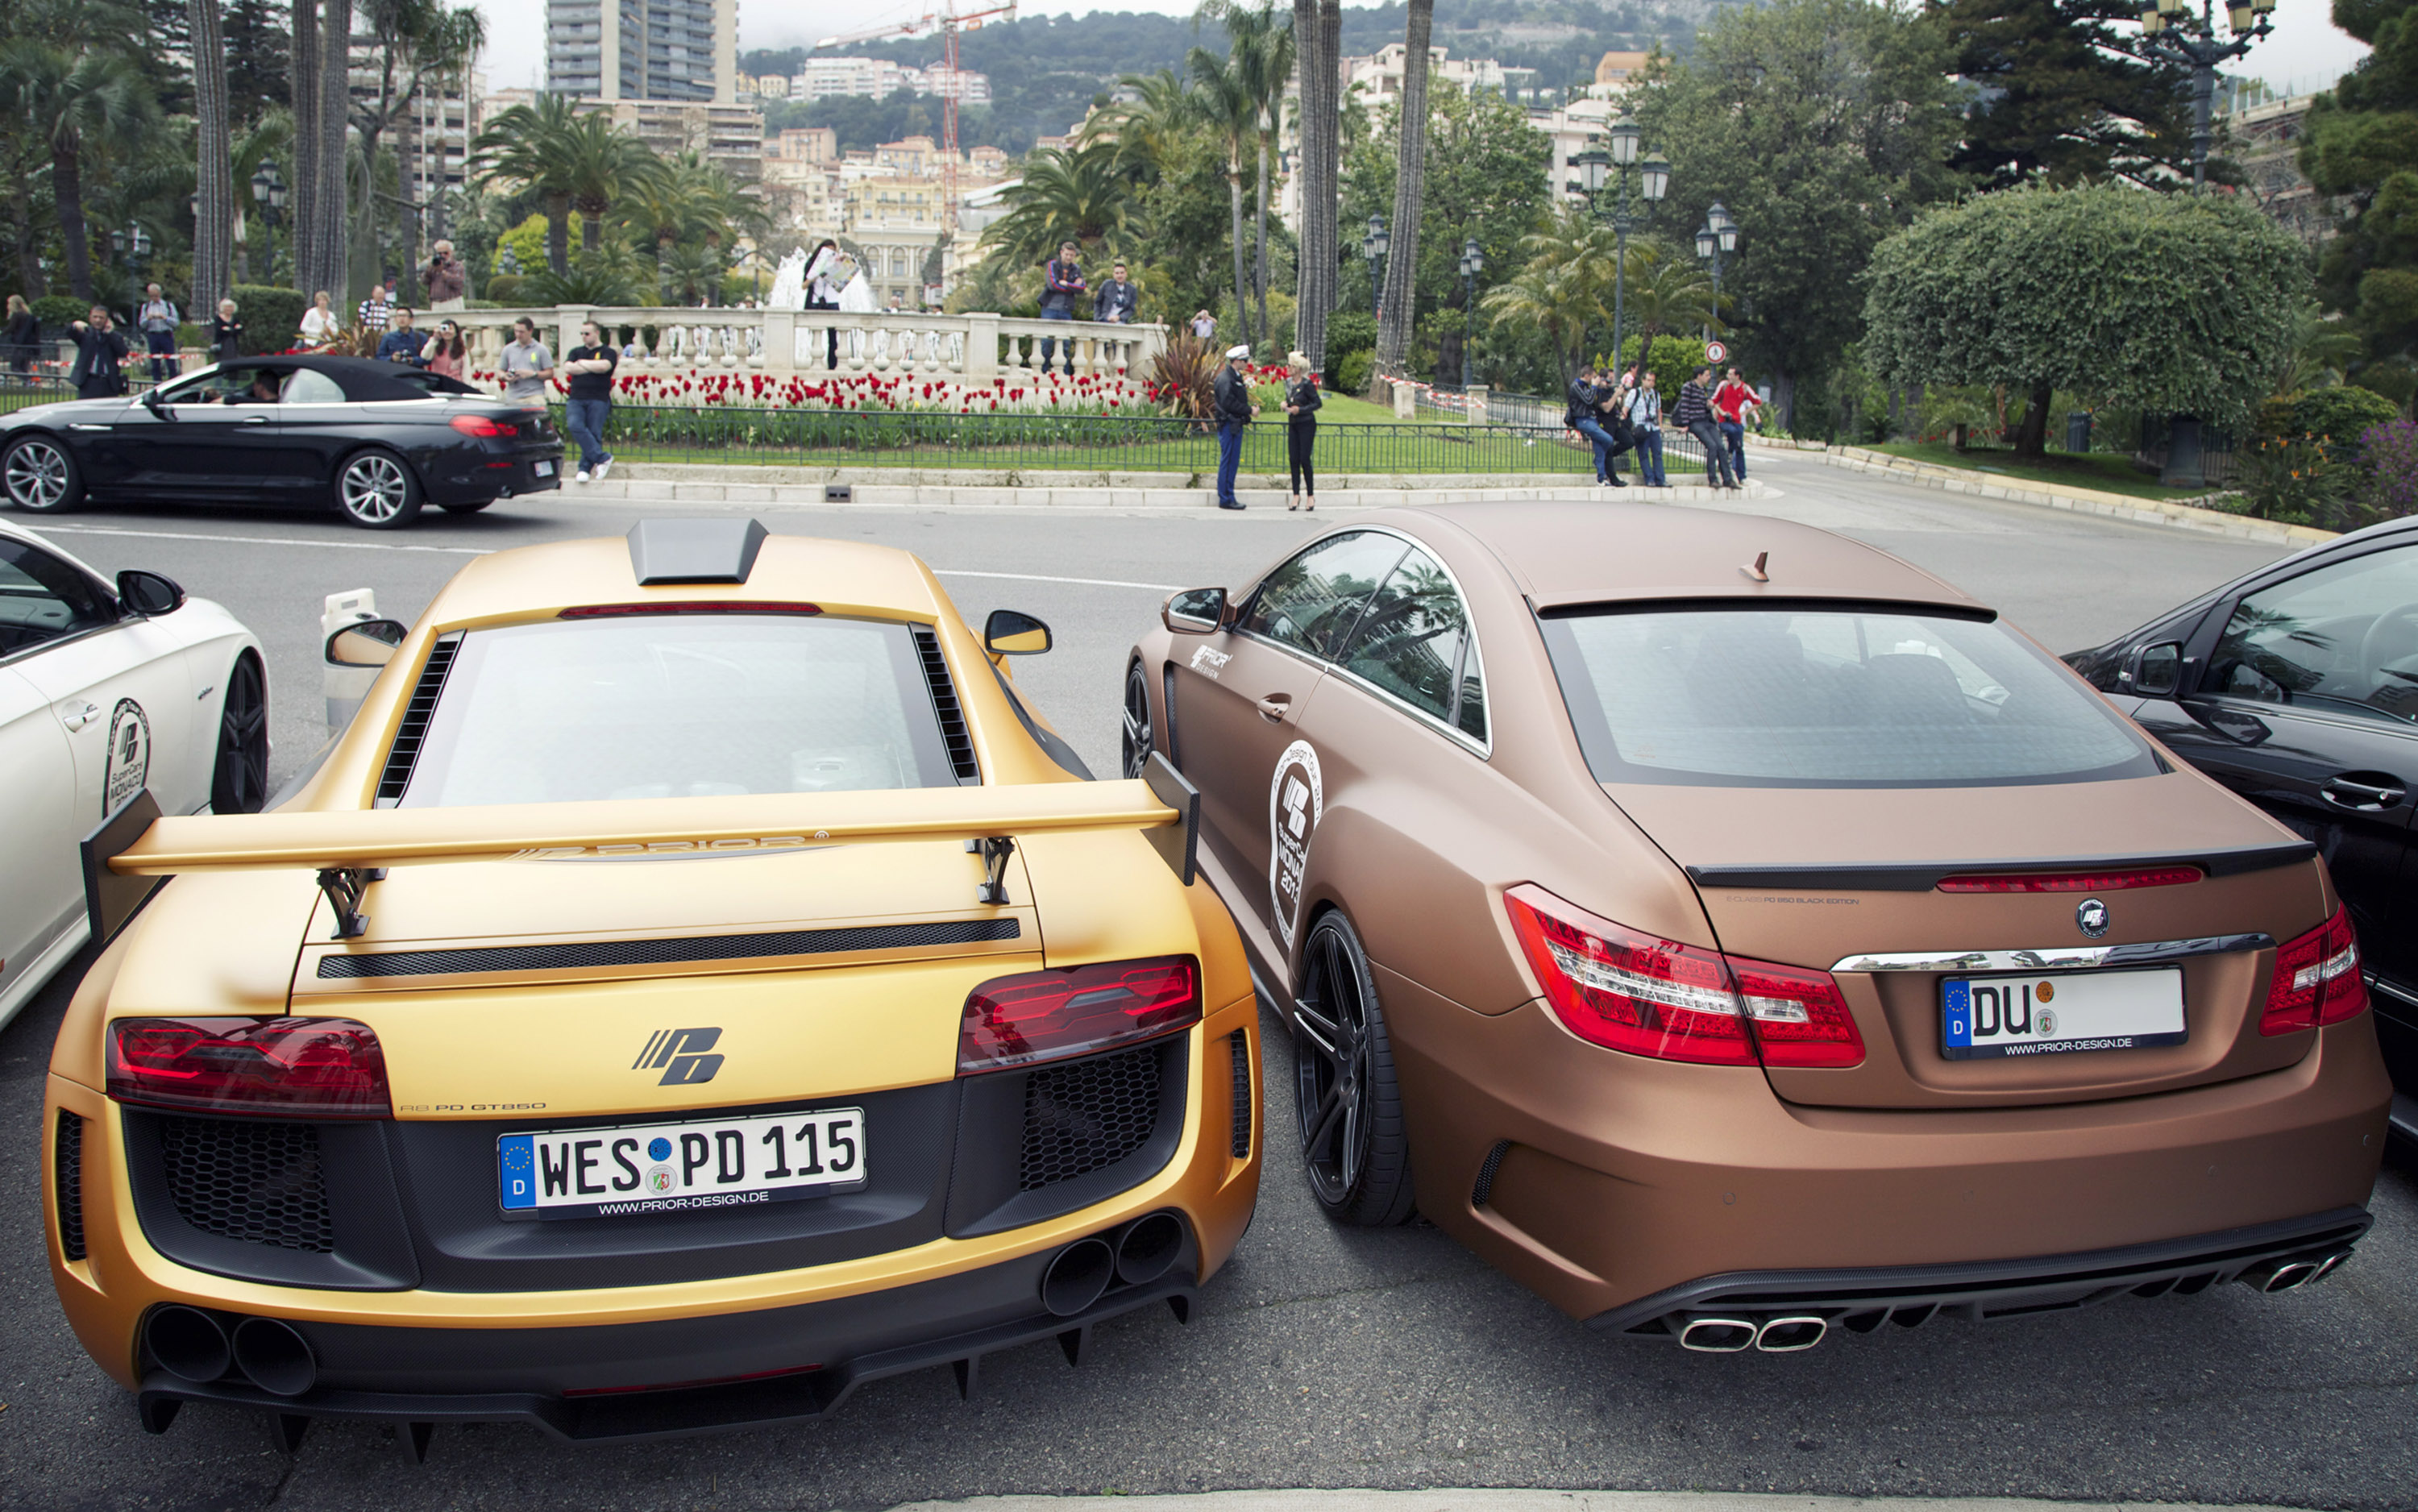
[[949, 21]]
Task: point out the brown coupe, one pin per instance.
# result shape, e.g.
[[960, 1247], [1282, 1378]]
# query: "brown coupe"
[[1733, 932]]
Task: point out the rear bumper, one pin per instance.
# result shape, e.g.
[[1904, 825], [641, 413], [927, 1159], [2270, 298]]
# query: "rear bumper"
[[613, 1382], [1861, 1301]]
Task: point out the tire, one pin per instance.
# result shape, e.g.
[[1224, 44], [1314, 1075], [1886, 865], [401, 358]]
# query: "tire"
[[471, 508], [40, 475], [1136, 742], [375, 490], [239, 781], [1356, 1148]]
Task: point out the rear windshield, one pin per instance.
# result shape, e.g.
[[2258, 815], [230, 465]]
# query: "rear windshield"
[[679, 706], [1783, 697]]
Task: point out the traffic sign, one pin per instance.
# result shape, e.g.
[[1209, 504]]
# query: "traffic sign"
[[1716, 352]]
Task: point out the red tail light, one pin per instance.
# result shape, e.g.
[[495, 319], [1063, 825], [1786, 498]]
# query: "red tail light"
[[1625, 990], [614, 611], [1043, 1015], [324, 1068], [480, 426], [2316, 980], [2116, 881]]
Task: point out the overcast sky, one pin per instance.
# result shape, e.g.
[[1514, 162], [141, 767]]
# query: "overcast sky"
[[2307, 52]]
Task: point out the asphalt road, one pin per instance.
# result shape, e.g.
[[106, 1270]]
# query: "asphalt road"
[[1323, 1357]]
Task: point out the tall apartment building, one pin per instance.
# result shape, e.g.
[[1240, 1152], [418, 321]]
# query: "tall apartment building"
[[644, 50]]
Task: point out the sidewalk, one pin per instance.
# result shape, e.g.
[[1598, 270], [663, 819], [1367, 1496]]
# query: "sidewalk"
[[1522, 1501]]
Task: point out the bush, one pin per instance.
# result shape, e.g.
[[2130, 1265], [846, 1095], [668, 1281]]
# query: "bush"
[[59, 309], [1348, 331], [2296, 480], [272, 316], [1353, 370], [2341, 413], [2388, 454]]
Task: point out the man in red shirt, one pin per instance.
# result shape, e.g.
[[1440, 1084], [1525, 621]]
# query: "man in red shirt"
[[1730, 401]]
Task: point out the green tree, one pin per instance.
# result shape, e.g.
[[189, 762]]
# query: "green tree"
[[1075, 196], [1260, 50], [574, 160], [65, 81], [2175, 304], [2361, 142], [403, 47], [2066, 102], [1822, 126], [1564, 288], [1223, 97]]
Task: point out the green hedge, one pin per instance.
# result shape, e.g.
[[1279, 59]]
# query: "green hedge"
[[2340, 413], [59, 309], [272, 316]]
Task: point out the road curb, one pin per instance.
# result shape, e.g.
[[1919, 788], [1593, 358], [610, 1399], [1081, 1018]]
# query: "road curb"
[[1095, 491], [1464, 1500], [2057, 495]]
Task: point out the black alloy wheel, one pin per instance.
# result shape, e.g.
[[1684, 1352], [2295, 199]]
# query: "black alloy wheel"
[[376, 489], [40, 475], [1353, 1143], [1137, 743], [239, 781]]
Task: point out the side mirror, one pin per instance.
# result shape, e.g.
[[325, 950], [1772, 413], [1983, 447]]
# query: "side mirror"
[[2159, 671], [1008, 632], [371, 643], [148, 594], [152, 402], [1195, 612]]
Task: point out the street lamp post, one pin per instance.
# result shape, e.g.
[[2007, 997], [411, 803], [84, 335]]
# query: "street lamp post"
[[1715, 239], [1372, 250], [1598, 167], [1473, 262], [2171, 34]]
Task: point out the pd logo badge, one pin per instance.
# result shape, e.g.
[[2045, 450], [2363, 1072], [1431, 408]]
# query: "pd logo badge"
[[681, 1055], [2091, 916], [1296, 798], [130, 755]]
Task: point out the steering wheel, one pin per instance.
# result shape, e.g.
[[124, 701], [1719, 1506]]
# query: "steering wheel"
[[2392, 636]]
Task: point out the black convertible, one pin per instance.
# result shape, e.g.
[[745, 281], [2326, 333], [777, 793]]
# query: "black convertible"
[[375, 440]]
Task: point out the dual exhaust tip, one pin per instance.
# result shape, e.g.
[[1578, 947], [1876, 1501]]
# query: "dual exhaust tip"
[[1709, 1334], [195, 1346], [1137, 1254], [2272, 1277]]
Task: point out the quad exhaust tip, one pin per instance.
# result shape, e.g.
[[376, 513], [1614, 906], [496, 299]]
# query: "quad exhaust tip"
[[189, 1344], [1789, 1335], [2292, 1274], [1708, 1335], [1148, 1246], [1785, 1333], [274, 1357], [1077, 1276]]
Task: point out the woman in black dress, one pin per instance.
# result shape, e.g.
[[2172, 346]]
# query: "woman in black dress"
[[22, 338], [227, 333], [1301, 428]]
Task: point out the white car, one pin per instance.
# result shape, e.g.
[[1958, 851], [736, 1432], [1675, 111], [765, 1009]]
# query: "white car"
[[107, 689]]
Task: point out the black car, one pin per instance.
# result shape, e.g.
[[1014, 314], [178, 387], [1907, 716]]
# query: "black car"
[[375, 440], [2297, 687]]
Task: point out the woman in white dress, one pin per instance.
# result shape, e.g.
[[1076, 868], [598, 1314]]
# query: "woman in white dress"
[[319, 323]]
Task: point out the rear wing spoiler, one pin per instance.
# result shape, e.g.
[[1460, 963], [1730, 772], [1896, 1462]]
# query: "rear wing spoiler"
[[134, 850]]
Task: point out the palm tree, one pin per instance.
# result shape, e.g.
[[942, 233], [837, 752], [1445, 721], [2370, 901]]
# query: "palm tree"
[[1075, 196], [1565, 286], [213, 178], [1142, 133], [413, 45], [1321, 129], [1224, 101], [1262, 53], [1410, 191], [74, 98], [603, 164], [530, 145], [1664, 291]]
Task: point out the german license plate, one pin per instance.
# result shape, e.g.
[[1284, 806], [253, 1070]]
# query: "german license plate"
[[702, 1167], [544, 468], [2060, 1012]]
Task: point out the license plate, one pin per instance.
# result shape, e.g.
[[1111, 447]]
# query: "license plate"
[[703, 1166], [545, 469], [2060, 1012]]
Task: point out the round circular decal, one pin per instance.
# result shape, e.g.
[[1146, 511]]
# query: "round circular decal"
[[659, 1180], [1296, 798], [2090, 916], [130, 757], [659, 1148]]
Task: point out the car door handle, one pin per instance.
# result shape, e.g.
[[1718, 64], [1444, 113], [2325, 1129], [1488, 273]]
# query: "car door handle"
[[256, 419], [2369, 792], [76, 719], [1275, 707]]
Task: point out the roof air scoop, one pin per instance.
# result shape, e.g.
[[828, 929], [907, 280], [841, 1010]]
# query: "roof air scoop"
[[694, 551]]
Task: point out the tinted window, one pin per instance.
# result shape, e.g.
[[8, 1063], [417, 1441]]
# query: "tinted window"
[[223, 386], [1411, 635], [1312, 602], [42, 598], [1779, 697], [2342, 639], [679, 706]]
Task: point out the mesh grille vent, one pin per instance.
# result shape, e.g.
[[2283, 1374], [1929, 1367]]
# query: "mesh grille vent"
[[1092, 1114], [67, 1166], [1242, 1095], [1485, 1187], [409, 735], [944, 704], [254, 1180], [660, 952]]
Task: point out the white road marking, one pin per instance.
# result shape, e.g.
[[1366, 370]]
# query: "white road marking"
[[257, 540], [1082, 582]]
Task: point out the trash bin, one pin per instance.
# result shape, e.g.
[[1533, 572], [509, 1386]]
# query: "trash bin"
[[2077, 430]]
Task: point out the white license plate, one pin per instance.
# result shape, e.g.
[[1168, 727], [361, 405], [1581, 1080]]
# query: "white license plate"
[[705, 1167], [545, 469], [2060, 1012]]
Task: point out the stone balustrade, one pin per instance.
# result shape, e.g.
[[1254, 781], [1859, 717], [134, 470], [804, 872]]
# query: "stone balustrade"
[[972, 349]]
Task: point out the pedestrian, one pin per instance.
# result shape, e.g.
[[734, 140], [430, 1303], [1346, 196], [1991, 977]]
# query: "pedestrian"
[[590, 405], [1204, 326], [99, 371], [1612, 410], [158, 319], [445, 278], [319, 323], [446, 353], [1062, 282], [227, 333], [1233, 396], [527, 364], [1693, 413], [1584, 393], [1732, 402], [379, 307], [1644, 414], [23, 337], [824, 285], [400, 343], [1301, 429], [1117, 299]]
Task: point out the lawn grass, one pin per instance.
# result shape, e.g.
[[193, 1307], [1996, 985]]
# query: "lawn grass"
[[2104, 471]]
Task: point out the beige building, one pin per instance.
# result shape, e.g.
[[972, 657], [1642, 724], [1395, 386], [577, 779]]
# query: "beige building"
[[1614, 71], [729, 136], [1379, 78], [2265, 139]]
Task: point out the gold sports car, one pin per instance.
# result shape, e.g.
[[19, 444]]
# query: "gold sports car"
[[695, 984]]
